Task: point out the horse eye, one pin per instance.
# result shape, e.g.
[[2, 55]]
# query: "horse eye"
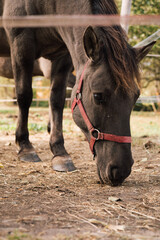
[[98, 98]]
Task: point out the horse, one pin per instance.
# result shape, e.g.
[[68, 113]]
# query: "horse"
[[107, 82]]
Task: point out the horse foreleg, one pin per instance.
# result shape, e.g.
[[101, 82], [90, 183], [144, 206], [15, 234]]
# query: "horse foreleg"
[[24, 99], [22, 64], [61, 161]]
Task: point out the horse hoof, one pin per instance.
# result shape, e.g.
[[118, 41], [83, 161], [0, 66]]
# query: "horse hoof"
[[63, 164], [29, 157]]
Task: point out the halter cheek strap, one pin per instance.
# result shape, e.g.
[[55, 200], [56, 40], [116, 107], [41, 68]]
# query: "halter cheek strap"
[[95, 134]]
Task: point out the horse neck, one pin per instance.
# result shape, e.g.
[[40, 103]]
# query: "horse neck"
[[73, 38]]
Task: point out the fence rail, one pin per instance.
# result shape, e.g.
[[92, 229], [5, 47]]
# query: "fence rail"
[[78, 20], [13, 86], [142, 99], [150, 99]]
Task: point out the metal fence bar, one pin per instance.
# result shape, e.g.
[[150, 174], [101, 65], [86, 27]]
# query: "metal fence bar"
[[35, 87], [15, 100], [33, 100], [153, 55], [13, 86], [78, 20], [142, 99], [7, 100], [154, 37], [151, 99]]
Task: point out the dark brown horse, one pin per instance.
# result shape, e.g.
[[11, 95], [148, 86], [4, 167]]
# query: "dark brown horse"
[[109, 82]]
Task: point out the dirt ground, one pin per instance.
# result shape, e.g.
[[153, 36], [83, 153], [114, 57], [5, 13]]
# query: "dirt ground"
[[38, 203]]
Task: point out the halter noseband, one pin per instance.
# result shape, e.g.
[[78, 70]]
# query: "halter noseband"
[[95, 134]]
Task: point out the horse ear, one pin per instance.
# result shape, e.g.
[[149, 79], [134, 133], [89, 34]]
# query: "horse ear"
[[141, 52], [91, 44]]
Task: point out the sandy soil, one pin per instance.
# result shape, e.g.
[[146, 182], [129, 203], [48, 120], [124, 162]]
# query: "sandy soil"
[[38, 203]]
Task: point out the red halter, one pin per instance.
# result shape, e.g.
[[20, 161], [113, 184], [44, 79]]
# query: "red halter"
[[94, 133]]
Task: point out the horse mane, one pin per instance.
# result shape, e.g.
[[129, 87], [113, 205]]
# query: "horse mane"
[[121, 57]]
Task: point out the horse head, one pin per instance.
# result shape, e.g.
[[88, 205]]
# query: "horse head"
[[106, 91]]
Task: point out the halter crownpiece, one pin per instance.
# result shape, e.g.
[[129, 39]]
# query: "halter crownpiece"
[[95, 134]]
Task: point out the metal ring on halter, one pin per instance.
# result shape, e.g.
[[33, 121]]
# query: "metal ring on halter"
[[78, 96], [97, 132]]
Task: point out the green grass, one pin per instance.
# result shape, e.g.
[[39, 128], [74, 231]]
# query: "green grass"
[[145, 124], [37, 127], [6, 126], [7, 111]]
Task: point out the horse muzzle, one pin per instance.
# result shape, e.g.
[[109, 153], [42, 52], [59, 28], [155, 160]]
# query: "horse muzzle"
[[113, 173]]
